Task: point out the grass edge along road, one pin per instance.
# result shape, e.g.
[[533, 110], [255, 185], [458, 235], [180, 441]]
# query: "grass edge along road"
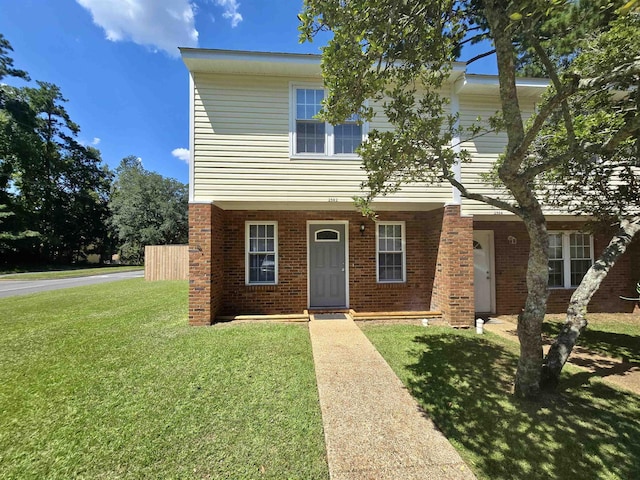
[[464, 382], [109, 381], [70, 273]]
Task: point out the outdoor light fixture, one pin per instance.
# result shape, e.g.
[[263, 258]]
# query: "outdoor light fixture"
[[362, 227]]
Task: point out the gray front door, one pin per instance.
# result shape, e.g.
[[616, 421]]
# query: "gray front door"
[[327, 275]]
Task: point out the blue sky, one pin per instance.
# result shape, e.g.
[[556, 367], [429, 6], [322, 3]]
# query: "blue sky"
[[117, 63]]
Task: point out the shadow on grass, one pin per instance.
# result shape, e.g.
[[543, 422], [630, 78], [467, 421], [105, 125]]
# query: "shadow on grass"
[[617, 345], [465, 382]]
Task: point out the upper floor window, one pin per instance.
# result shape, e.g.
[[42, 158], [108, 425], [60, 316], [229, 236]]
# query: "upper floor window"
[[570, 256], [261, 253], [390, 246], [311, 136]]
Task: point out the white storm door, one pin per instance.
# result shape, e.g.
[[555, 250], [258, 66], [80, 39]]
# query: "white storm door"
[[483, 271]]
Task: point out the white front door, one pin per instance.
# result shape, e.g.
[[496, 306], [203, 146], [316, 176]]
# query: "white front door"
[[483, 271]]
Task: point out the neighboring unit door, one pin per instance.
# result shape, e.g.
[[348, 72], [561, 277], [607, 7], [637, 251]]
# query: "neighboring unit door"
[[327, 275], [482, 270]]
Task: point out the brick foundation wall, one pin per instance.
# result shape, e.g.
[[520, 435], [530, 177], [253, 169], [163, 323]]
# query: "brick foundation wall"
[[206, 262], [511, 263], [365, 294], [453, 292]]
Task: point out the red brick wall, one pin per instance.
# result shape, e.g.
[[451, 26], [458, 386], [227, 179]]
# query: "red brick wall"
[[511, 264], [453, 285], [206, 275], [365, 294]]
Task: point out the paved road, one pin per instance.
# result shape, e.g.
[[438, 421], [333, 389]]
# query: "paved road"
[[9, 288]]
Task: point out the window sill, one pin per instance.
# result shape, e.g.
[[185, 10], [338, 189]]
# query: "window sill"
[[324, 157]]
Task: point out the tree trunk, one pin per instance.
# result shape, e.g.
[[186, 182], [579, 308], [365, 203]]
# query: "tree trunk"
[[576, 320], [527, 382]]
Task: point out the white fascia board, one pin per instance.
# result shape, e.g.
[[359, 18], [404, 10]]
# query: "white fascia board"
[[250, 63], [265, 63], [489, 84], [192, 142]]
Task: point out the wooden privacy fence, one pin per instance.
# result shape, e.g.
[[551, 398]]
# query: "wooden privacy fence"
[[166, 262]]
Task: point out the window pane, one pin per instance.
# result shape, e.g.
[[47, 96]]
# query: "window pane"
[[390, 267], [262, 268], [308, 103], [556, 273], [310, 137], [327, 235], [347, 137], [555, 246], [580, 246], [578, 269], [580, 252]]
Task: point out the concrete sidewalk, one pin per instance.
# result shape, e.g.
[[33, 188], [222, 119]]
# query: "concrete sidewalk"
[[373, 427]]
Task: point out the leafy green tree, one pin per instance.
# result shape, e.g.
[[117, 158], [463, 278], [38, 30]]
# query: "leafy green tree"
[[602, 177], [12, 117], [400, 54], [54, 190], [63, 185], [146, 209]]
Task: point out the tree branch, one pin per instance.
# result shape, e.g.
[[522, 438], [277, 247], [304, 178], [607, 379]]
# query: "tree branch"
[[495, 202], [553, 75], [482, 55]]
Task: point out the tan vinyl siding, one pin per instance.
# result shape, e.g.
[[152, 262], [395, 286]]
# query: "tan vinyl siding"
[[241, 149], [484, 151]]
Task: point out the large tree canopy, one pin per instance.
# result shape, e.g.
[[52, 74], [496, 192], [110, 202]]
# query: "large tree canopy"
[[400, 54], [147, 209], [53, 190]]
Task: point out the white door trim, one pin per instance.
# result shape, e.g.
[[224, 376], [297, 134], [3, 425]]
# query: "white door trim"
[[492, 265], [346, 256]]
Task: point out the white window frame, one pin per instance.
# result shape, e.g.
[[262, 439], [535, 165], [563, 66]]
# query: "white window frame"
[[566, 256], [247, 242], [404, 252], [329, 143]]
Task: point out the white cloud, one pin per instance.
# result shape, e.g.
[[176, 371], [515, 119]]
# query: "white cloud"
[[95, 141], [160, 24], [231, 11], [181, 153]]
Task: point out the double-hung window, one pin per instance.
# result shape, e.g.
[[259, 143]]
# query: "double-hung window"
[[391, 255], [313, 137], [261, 253], [570, 256]]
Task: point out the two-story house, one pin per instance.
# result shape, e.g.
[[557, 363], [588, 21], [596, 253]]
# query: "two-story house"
[[274, 230]]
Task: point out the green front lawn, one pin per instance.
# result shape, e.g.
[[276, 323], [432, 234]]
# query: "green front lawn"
[[108, 381], [69, 272], [464, 381], [614, 335]]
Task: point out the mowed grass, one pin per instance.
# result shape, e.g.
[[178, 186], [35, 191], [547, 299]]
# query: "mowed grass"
[[108, 381], [613, 335], [464, 381], [70, 272]]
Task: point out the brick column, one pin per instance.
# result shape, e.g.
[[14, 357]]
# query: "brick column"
[[205, 262], [453, 291]]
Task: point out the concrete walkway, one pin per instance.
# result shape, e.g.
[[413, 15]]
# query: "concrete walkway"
[[373, 427]]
